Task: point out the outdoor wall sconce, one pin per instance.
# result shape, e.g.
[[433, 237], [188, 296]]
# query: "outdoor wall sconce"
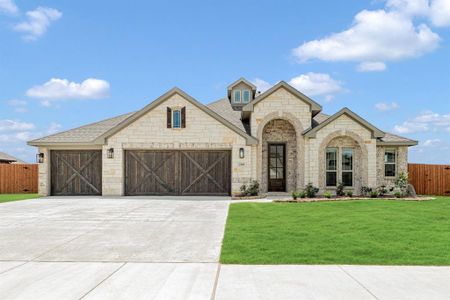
[[241, 153], [110, 153], [40, 158]]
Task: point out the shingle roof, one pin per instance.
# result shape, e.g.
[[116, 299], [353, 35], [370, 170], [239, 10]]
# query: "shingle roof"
[[223, 108], [9, 158], [83, 134], [88, 133]]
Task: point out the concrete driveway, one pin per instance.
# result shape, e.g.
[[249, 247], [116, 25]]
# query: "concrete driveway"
[[133, 248]]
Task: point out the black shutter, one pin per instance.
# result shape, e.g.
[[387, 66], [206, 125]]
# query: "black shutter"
[[169, 117], [183, 117]]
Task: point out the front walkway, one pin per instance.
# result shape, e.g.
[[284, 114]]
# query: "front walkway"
[[140, 248]]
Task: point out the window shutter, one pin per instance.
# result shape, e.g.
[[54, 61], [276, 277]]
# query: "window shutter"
[[169, 117], [183, 117]]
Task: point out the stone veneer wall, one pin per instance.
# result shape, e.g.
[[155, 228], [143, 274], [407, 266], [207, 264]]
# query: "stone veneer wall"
[[402, 164], [281, 104], [202, 132], [342, 126], [280, 131], [358, 163]]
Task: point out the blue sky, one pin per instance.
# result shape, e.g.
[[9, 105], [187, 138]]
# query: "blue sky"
[[68, 63]]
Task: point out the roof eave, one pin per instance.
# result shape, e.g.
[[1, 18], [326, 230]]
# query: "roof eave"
[[50, 144], [406, 143]]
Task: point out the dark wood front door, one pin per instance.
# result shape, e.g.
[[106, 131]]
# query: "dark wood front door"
[[76, 172], [277, 167], [177, 172]]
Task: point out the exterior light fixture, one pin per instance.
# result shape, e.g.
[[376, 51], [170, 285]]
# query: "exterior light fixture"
[[40, 158], [110, 153], [241, 153]]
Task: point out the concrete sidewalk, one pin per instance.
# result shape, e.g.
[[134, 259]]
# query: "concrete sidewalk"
[[96, 280]]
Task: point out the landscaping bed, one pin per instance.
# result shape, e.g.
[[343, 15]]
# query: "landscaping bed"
[[318, 199], [366, 232]]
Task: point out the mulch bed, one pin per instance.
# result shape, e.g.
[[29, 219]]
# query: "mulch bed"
[[318, 199]]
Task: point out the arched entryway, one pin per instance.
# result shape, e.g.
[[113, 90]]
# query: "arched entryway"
[[279, 156]]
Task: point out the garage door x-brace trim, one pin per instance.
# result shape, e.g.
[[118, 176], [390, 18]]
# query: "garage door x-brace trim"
[[78, 172]]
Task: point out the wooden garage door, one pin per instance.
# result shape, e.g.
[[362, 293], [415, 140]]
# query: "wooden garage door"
[[177, 172], [76, 172]]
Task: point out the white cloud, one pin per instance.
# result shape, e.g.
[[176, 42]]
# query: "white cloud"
[[317, 84], [19, 105], [382, 106], [378, 36], [310, 84], [37, 22], [432, 143], [426, 121], [8, 7], [62, 89], [371, 66], [440, 12], [261, 85], [14, 125]]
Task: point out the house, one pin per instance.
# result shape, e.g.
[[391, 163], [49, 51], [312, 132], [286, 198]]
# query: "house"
[[5, 158], [178, 146]]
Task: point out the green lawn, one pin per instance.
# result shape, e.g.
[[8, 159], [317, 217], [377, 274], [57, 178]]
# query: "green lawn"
[[379, 232], [15, 197]]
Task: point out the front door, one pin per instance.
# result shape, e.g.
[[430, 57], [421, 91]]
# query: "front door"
[[277, 167]]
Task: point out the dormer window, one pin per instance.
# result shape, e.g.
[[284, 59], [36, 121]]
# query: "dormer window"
[[246, 96], [237, 96]]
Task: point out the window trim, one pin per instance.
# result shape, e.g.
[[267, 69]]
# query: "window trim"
[[249, 96], [334, 171], [240, 96], [390, 163], [176, 109], [348, 171]]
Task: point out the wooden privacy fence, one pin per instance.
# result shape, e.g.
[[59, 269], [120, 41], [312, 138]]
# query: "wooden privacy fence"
[[430, 179], [18, 178]]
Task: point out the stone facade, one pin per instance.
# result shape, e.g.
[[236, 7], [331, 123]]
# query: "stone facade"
[[401, 164], [281, 104], [280, 131], [280, 117], [149, 132], [344, 126]]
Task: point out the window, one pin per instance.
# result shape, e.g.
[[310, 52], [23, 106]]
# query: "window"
[[331, 166], [276, 157], [176, 116], [246, 96], [347, 166], [390, 162], [237, 96]]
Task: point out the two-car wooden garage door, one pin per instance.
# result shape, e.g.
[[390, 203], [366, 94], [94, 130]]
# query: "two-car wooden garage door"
[[79, 172], [177, 172]]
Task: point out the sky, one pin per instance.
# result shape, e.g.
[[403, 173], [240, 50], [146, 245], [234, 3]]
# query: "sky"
[[67, 63]]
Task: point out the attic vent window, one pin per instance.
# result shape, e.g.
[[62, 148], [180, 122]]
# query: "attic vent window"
[[237, 96], [176, 117]]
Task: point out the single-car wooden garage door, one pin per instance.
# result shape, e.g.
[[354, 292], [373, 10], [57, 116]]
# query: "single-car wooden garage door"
[[177, 172], [76, 172]]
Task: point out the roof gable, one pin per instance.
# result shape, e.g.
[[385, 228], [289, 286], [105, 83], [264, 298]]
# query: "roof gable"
[[242, 80], [102, 139], [376, 133], [315, 107]]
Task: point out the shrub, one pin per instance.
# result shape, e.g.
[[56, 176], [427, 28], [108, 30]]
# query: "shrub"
[[327, 195], [401, 182], [250, 190], [382, 190], [295, 195], [398, 194], [365, 190], [349, 194], [373, 194], [302, 194], [311, 190], [340, 189]]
